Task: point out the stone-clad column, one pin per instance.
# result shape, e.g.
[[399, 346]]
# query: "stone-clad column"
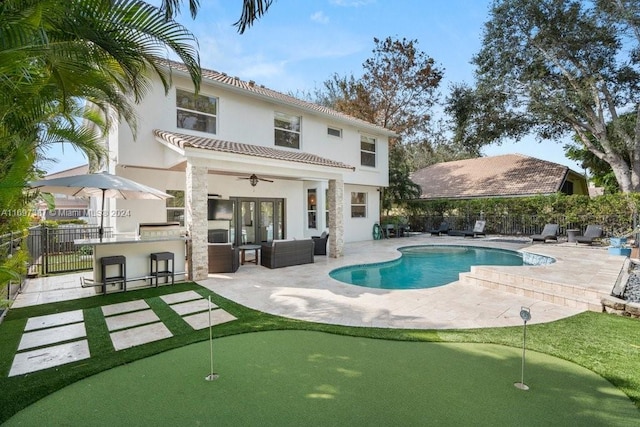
[[196, 218], [336, 218]]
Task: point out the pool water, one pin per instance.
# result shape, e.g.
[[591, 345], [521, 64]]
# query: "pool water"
[[424, 267]]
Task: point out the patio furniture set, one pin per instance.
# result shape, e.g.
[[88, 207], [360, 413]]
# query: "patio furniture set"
[[225, 258]]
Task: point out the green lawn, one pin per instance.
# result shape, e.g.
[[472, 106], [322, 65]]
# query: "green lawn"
[[607, 345]]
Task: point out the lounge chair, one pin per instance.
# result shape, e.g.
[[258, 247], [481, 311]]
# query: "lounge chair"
[[592, 233], [444, 229], [478, 229], [549, 232]]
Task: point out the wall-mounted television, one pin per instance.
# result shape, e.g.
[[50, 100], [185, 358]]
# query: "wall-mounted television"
[[220, 209]]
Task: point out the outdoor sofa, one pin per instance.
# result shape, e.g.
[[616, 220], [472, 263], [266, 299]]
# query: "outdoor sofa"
[[284, 253]]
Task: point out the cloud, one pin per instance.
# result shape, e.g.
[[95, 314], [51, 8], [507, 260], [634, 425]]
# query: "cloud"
[[320, 17]]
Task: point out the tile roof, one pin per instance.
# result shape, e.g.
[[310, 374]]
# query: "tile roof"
[[259, 90], [181, 140], [509, 175]]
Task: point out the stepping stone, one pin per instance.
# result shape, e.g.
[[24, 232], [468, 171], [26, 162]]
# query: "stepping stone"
[[52, 335], [48, 357], [140, 335], [192, 306], [181, 297], [124, 307], [57, 319], [201, 320], [128, 320]]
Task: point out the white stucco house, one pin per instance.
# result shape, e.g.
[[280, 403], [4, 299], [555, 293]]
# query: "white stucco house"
[[317, 169]]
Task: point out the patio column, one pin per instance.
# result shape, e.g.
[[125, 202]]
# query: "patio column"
[[196, 218], [336, 218]]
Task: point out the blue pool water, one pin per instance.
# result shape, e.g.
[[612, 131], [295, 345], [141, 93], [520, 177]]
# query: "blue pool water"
[[424, 267]]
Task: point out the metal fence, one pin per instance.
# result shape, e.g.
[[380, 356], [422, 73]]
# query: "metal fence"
[[9, 244], [52, 249], [526, 225]]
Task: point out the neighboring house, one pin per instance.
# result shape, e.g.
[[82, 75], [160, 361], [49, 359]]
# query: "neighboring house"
[[313, 169], [66, 207], [509, 175]]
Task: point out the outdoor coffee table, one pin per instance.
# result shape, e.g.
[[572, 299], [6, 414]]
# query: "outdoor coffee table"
[[243, 248]]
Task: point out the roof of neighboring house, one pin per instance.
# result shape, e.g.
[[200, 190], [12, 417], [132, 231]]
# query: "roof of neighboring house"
[[78, 170], [181, 140], [509, 175], [253, 88]]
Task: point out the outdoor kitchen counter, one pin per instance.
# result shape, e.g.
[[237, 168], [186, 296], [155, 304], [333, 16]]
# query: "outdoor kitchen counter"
[[137, 252]]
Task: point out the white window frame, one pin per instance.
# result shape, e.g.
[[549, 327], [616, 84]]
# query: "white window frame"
[[170, 201], [294, 129], [338, 131], [355, 203], [366, 153], [193, 114], [312, 209]]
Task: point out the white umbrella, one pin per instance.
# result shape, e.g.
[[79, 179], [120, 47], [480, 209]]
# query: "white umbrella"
[[95, 184]]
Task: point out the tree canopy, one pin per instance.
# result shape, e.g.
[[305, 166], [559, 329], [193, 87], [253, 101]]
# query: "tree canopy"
[[397, 90], [559, 67]]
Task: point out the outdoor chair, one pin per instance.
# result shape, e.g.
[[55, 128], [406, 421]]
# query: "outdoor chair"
[[478, 229], [320, 243], [549, 232], [444, 229], [223, 258], [591, 234]]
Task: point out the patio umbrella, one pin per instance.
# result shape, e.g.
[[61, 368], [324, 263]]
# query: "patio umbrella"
[[95, 184]]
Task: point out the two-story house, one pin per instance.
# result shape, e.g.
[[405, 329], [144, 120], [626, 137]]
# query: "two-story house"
[[247, 164]]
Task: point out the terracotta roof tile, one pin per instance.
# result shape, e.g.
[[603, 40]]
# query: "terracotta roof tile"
[[182, 141], [260, 90], [509, 175]]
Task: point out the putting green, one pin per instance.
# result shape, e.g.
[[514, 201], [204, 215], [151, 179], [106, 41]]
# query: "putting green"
[[286, 378]]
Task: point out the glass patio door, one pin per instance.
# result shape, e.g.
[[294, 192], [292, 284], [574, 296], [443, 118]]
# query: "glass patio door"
[[259, 220]]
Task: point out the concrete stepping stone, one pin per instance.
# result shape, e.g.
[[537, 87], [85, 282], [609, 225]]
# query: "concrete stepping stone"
[[128, 320], [48, 336], [180, 297], [139, 335], [201, 320], [56, 319], [48, 357], [124, 307], [192, 306]]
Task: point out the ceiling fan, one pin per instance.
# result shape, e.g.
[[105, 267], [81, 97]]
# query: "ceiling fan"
[[253, 179]]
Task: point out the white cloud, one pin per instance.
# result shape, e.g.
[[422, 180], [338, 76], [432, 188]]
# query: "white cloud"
[[320, 17]]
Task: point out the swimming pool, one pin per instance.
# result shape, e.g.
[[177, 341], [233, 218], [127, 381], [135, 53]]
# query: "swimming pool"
[[427, 266]]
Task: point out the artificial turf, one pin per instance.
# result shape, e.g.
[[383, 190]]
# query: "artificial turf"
[[291, 378], [605, 344]]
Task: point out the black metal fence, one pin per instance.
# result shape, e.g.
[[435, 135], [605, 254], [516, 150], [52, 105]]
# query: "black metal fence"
[[526, 225], [52, 249], [10, 243]]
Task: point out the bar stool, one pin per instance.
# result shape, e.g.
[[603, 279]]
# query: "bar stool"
[[168, 269], [121, 262]]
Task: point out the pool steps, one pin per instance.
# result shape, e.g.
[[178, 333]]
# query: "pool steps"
[[581, 297]]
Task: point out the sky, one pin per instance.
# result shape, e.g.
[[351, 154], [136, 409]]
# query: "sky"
[[299, 44]]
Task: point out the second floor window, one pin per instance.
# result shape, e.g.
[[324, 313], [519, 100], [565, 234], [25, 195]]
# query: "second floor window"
[[287, 130], [367, 151], [196, 112]]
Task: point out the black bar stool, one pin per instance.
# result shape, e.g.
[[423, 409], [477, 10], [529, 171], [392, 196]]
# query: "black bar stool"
[[121, 262], [156, 273]]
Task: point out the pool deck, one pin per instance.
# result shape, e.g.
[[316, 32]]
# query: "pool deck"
[[491, 297]]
